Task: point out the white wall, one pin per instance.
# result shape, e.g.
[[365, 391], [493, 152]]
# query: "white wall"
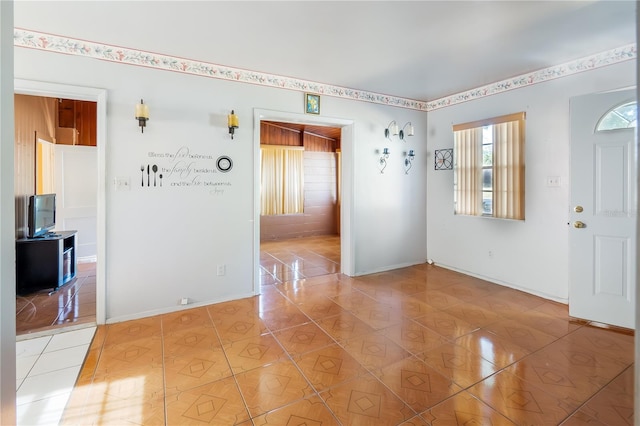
[[165, 243], [531, 255], [7, 223]]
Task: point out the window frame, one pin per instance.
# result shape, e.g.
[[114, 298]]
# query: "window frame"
[[513, 194], [614, 110]]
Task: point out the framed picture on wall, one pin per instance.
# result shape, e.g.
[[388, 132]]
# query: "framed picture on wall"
[[311, 103]]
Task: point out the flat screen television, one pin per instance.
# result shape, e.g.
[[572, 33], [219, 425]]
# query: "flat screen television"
[[42, 214]]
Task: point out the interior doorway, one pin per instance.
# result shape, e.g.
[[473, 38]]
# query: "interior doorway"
[[300, 201], [97, 96], [343, 170]]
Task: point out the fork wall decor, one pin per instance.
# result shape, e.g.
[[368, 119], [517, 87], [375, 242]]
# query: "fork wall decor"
[[157, 178]]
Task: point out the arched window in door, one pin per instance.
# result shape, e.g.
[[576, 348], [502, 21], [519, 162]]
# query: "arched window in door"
[[621, 117]]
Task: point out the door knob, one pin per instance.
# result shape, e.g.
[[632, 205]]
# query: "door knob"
[[578, 209], [578, 224]]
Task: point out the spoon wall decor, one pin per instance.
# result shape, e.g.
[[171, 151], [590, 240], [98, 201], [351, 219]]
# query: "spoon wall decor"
[[155, 169]]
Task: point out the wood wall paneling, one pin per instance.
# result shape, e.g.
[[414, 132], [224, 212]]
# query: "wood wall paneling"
[[320, 203], [76, 122], [32, 114], [86, 120], [274, 134], [321, 207], [318, 143]]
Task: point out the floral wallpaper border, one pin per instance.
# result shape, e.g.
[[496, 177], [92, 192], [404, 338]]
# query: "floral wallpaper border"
[[59, 44]]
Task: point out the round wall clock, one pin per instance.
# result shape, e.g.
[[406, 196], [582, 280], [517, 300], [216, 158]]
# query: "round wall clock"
[[224, 163], [444, 159]]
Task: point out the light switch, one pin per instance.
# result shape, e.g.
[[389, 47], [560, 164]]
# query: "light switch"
[[553, 180], [123, 183]]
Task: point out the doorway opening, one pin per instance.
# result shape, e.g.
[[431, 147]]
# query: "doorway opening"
[[90, 164], [317, 240], [300, 201]]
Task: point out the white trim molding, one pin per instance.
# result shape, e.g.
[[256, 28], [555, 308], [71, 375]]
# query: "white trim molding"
[[29, 39]]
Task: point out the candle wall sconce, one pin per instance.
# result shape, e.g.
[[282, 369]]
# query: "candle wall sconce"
[[383, 159], [408, 161], [232, 122], [142, 114]]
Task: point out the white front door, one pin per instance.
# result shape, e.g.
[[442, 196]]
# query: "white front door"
[[76, 196], [602, 217]]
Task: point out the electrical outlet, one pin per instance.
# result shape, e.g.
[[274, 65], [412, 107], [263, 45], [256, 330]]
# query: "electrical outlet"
[[222, 269], [184, 301]]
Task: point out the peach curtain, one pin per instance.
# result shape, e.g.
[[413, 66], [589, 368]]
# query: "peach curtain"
[[468, 171], [508, 170], [281, 180]]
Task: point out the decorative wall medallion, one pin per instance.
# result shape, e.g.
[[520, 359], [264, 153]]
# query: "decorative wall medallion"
[[224, 163], [444, 159]]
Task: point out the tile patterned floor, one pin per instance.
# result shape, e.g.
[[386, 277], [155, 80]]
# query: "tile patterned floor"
[[73, 304], [415, 346], [46, 370]]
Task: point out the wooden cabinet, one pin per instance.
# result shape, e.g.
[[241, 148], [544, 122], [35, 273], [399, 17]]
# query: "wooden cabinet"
[[45, 263], [76, 122]]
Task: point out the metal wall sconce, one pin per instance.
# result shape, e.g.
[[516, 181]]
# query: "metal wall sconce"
[[410, 131], [408, 161], [142, 114], [232, 122], [393, 130], [383, 159]]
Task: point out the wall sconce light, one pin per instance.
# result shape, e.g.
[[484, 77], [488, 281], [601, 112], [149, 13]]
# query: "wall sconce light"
[[410, 131], [383, 159], [142, 114], [391, 130], [408, 161], [232, 122]]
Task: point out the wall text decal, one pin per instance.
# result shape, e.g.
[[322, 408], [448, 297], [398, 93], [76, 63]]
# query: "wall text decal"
[[184, 169]]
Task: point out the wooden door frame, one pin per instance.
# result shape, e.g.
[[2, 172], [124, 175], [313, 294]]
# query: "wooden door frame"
[[54, 90]]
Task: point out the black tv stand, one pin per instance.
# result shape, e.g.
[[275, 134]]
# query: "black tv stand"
[[43, 236], [45, 263]]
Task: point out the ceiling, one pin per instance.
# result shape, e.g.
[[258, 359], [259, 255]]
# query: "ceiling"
[[420, 50]]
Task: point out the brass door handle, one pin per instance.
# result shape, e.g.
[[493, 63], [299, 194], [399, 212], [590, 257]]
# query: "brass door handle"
[[578, 224]]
